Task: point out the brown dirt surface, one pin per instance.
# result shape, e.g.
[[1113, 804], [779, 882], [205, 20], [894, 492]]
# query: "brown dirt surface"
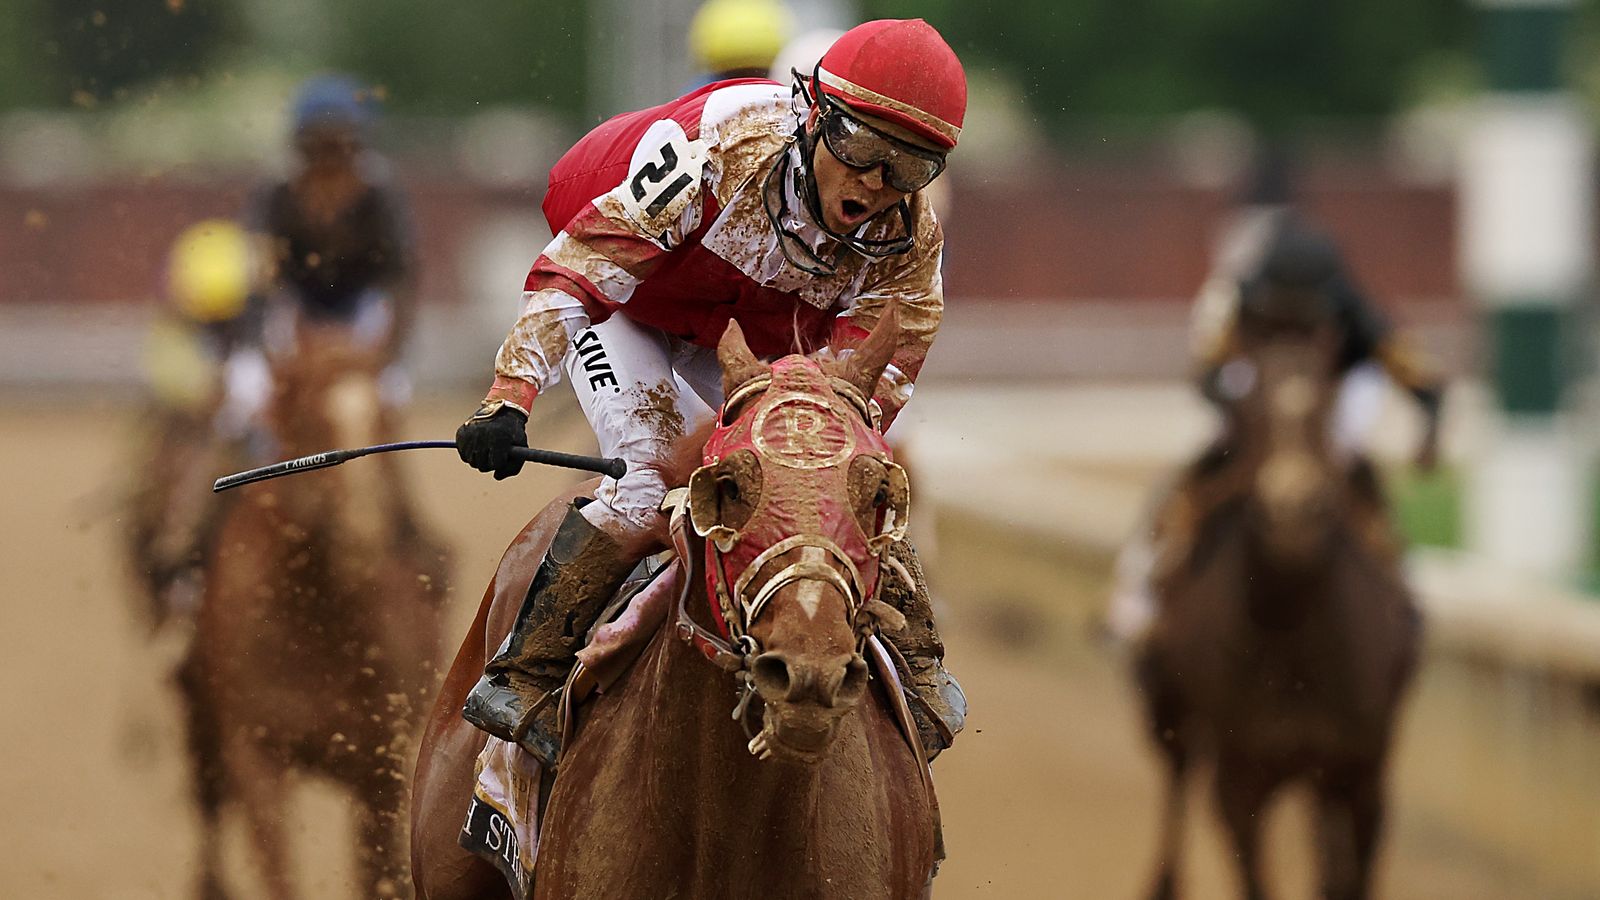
[[1051, 792]]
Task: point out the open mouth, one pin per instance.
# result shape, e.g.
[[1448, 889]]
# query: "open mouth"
[[791, 744], [802, 738], [852, 210]]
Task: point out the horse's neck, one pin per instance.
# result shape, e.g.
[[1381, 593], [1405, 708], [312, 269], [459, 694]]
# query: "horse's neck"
[[695, 756], [354, 503]]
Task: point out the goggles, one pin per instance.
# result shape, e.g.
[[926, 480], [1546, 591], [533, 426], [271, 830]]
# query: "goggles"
[[775, 199], [906, 168]]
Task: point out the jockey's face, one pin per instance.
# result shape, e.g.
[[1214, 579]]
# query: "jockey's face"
[[326, 148], [848, 195]]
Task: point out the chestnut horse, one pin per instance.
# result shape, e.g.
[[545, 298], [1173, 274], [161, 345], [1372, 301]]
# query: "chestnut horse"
[[317, 637], [661, 793], [1283, 644]]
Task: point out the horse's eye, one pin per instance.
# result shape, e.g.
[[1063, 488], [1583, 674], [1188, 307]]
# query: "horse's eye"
[[730, 487], [882, 496]]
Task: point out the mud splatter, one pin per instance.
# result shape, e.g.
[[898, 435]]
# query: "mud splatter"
[[656, 410], [539, 339]]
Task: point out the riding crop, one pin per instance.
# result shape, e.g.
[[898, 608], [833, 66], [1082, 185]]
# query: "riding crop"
[[613, 467]]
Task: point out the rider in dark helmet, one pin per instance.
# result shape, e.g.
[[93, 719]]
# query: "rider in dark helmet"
[[798, 214], [336, 243], [1301, 278], [1278, 275]]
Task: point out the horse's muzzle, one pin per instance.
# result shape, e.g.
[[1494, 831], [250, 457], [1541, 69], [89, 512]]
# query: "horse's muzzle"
[[804, 702]]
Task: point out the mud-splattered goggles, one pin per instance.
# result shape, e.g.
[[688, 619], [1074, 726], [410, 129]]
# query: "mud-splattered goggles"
[[906, 168]]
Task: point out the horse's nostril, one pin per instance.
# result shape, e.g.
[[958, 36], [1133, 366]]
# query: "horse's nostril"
[[855, 680], [771, 674]]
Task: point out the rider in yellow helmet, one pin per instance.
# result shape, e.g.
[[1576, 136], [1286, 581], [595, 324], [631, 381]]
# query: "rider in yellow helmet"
[[208, 280], [209, 277], [738, 38]]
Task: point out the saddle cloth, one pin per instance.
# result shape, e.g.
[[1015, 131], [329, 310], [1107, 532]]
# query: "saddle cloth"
[[502, 824]]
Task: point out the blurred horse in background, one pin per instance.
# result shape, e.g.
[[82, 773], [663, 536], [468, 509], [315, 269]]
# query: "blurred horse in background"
[[317, 635], [1285, 637], [168, 509]]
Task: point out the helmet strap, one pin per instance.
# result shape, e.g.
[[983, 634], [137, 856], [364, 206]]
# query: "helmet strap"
[[775, 200], [806, 184]]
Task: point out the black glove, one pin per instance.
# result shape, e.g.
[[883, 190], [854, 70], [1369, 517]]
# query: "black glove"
[[485, 440]]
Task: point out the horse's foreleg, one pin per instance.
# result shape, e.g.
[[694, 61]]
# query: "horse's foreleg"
[[1350, 809], [210, 784], [262, 791], [1165, 710], [1167, 867], [1243, 787], [380, 837]]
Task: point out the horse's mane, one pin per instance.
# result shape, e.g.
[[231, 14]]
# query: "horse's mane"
[[685, 455]]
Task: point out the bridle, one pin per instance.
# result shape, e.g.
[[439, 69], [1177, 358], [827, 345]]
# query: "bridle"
[[733, 573]]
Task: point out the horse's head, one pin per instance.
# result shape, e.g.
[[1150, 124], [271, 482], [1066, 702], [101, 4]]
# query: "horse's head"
[[1286, 388], [325, 389], [797, 499]]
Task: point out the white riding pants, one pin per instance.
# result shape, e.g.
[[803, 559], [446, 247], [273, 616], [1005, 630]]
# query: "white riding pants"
[[641, 391]]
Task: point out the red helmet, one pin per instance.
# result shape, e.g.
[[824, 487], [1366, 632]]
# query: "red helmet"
[[900, 70]]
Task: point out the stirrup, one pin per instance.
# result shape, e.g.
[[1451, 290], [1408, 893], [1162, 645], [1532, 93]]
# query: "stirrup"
[[941, 716], [496, 707], [540, 730]]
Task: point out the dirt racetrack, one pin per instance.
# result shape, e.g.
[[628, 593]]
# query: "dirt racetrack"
[[1050, 793]]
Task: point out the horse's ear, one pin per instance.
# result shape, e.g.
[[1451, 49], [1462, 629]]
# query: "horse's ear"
[[870, 359], [739, 365]]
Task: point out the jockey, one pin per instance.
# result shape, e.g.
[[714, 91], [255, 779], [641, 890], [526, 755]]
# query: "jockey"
[[1278, 247], [336, 242], [798, 214], [171, 513], [1268, 250]]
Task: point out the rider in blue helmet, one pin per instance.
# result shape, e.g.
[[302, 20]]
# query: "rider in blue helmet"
[[335, 241], [333, 100]]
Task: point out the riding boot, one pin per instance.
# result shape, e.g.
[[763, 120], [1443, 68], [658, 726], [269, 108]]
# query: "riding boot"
[[938, 705], [518, 698]]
